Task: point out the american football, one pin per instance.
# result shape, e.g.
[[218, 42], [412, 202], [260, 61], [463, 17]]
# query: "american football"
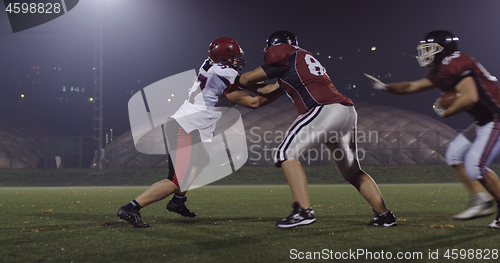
[[447, 99]]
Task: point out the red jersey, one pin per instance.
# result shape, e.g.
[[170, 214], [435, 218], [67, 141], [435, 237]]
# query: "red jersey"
[[458, 66], [302, 76]]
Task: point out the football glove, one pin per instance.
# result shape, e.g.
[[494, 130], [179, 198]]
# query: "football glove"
[[377, 84], [437, 108]]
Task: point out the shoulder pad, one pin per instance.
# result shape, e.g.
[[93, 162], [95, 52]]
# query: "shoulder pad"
[[225, 72], [278, 54]]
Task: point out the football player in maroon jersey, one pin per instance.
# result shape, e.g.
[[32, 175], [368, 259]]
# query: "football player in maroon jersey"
[[475, 147], [322, 111]]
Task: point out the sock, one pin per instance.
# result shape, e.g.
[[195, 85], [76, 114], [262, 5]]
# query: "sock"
[[132, 206], [382, 214], [483, 197], [178, 199]]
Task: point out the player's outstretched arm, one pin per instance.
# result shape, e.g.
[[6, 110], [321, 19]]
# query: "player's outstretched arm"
[[267, 89], [406, 87], [245, 99], [377, 84], [250, 78]]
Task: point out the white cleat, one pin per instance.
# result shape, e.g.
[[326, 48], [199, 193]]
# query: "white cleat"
[[476, 211]]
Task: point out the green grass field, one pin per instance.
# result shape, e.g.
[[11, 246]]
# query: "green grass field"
[[237, 224]]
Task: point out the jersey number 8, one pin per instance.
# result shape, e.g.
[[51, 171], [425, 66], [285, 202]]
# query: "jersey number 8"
[[314, 66]]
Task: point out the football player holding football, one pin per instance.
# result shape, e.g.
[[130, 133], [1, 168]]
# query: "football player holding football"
[[479, 95], [212, 95], [322, 111]]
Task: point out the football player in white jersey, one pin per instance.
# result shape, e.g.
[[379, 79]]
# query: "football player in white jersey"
[[213, 93]]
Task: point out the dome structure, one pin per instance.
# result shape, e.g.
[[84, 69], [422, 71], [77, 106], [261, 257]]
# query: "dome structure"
[[122, 153], [403, 136], [386, 136], [21, 146]]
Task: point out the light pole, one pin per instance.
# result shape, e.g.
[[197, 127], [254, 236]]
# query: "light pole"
[[98, 76]]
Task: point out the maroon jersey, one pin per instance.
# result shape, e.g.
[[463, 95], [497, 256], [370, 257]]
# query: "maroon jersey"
[[302, 76], [458, 66]]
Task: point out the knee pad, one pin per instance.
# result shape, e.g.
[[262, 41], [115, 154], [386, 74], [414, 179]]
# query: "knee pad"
[[452, 158], [474, 168], [455, 154], [475, 172]]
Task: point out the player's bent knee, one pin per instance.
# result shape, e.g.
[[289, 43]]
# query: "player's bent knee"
[[452, 156], [352, 173], [474, 172], [452, 160], [457, 150], [174, 180]]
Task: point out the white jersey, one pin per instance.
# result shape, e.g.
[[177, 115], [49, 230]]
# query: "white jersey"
[[207, 101]]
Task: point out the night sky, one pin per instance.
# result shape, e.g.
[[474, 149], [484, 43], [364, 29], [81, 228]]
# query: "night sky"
[[148, 40]]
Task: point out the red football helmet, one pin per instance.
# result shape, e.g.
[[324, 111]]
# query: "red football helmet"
[[226, 51]]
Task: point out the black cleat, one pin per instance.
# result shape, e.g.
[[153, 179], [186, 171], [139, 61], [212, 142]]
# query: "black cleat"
[[496, 222], [133, 217], [298, 217], [180, 209], [384, 219]]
